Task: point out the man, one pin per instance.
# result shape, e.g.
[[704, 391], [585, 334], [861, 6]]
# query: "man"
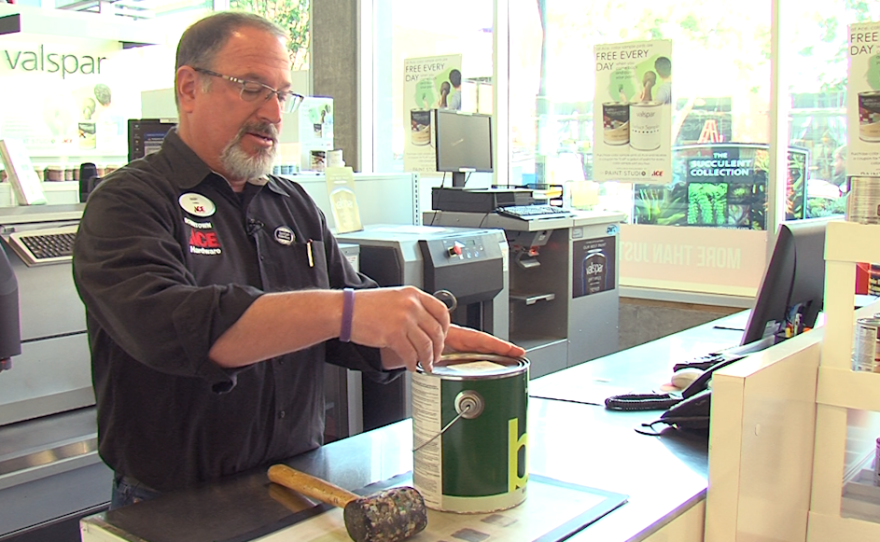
[[663, 92], [214, 293], [838, 169], [455, 95]]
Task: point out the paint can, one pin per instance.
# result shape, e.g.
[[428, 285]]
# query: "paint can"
[[469, 433], [866, 346], [334, 158], [318, 160], [615, 123], [863, 202], [645, 119], [874, 282], [877, 462], [420, 121], [869, 116], [87, 132]]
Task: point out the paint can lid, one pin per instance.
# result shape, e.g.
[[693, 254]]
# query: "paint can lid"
[[473, 365]]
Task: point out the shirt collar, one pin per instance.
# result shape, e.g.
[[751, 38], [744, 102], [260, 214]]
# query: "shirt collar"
[[274, 185], [190, 170]]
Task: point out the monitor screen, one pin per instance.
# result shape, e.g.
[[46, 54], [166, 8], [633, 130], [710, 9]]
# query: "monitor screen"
[[464, 143], [791, 293], [145, 136]]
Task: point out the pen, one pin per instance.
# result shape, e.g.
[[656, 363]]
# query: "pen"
[[309, 250]]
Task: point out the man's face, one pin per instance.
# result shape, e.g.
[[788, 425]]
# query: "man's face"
[[839, 163], [236, 138]]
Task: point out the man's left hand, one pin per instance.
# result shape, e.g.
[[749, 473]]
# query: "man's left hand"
[[462, 339]]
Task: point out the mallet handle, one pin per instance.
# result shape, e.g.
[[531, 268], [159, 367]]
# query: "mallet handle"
[[311, 486]]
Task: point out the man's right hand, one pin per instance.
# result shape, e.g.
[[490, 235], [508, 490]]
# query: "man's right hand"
[[409, 322]]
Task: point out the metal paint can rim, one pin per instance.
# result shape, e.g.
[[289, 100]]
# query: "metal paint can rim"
[[512, 366], [870, 321]]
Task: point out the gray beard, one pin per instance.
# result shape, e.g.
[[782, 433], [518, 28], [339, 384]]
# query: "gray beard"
[[240, 165]]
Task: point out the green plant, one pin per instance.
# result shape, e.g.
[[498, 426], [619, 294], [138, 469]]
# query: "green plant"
[[707, 204]]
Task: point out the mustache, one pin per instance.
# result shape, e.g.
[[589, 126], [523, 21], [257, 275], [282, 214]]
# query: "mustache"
[[265, 129]]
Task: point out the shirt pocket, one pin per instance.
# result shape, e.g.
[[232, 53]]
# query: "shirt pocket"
[[298, 266]]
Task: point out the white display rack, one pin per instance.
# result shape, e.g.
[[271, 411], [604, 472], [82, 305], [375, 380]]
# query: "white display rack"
[[841, 390]]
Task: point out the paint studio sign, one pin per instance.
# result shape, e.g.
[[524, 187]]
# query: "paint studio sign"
[[42, 59]]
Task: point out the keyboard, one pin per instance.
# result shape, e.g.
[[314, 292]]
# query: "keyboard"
[[45, 245], [530, 212]]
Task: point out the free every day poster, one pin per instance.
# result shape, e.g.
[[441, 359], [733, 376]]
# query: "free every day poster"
[[633, 108], [429, 83], [863, 100]]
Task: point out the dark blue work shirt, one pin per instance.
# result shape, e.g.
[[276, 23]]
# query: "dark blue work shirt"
[[166, 259]]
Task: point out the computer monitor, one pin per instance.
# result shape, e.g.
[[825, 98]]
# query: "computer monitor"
[[145, 136], [792, 290], [464, 144]]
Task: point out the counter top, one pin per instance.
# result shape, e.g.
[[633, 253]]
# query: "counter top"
[[575, 442], [494, 220]]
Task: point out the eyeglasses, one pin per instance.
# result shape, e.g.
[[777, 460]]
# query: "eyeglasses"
[[252, 91]]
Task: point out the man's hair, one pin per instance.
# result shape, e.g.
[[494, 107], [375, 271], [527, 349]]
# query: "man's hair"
[[455, 78], [663, 66], [201, 42]]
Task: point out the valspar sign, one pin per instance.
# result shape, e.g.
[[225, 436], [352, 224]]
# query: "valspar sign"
[[41, 58]]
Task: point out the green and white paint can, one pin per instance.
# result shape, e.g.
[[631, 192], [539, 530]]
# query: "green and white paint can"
[[469, 433]]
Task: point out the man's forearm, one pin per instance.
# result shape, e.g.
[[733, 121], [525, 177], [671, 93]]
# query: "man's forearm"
[[277, 324]]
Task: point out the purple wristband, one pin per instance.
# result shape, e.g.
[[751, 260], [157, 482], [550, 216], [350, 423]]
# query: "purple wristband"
[[347, 313]]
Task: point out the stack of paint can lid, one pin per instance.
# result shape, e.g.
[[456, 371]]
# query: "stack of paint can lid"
[[863, 202], [866, 345]]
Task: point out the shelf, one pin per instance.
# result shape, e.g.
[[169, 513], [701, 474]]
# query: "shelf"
[[79, 153], [531, 299], [846, 388], [852, 242], [861, 497], [841, 391]]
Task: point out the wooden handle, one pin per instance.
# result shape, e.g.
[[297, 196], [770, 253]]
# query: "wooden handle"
[[311, 486]]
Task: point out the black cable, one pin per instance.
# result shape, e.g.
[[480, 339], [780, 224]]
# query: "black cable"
[[642, 401]]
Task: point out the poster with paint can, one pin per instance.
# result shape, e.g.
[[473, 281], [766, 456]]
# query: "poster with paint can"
[[429, 83], [593, 266], [863, 100], [632, 105], [69, 97], [315, 116]]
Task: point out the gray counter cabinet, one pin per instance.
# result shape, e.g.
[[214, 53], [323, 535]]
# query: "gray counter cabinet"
[[564, 283]]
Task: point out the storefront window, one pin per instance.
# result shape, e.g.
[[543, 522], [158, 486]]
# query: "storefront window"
[[816, 60], [413, 29], [721, 54]]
